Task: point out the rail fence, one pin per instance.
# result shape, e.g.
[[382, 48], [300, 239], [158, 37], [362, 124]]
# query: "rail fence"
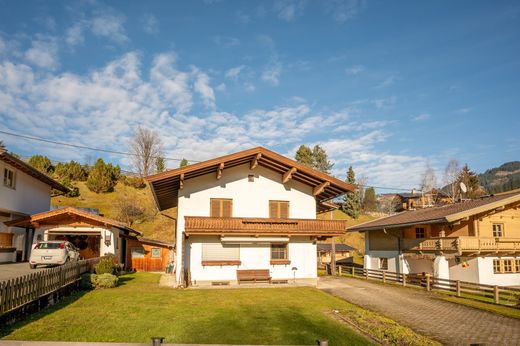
[[17, 292], [497, 294]]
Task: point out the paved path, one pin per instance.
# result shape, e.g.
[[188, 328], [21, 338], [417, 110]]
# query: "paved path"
[[13, 270], [449, 323]]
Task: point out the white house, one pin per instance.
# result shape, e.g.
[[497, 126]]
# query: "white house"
[[475, 241], [23, 191], [253, 210]]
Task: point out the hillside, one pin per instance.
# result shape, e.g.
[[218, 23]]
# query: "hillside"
[[152, 223], [503, 178]]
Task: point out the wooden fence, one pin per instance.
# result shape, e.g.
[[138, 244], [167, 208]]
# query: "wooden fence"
[[17, 292], [497, 294]]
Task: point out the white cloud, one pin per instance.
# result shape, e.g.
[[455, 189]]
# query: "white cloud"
[[74, 35], [271, 73], [226, 41], [344, 10], [388, 81], [205, 91], [288, 10], [249, 87], [384, 102], [234, 72], [221, 87], [43, 53], [109, 26], [421, 117], [150, 24], [354, 70]]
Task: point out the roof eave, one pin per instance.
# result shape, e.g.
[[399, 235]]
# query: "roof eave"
[[400, 225]]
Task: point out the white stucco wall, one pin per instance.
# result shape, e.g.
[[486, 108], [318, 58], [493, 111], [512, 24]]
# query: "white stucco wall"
[[301, 252], [469, 273], [372, 258], [30, 195], [250, 199], [488, 277]]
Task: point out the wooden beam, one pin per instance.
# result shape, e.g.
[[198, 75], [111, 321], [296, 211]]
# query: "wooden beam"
[[219, 170], [288, 175], [181, 181], [254, 163], [319, 189]]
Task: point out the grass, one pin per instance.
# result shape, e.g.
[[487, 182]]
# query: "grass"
[[155, 225], [139, 309]]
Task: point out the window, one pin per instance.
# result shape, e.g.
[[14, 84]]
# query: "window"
[[279, 209], [221, 207], [156, 252], [220, 254], [250, 178], [137, 252], [9, 178], [496, 266], [497, 230], [420, 232], [517, 265], [508, 266], [383, 263], [278, 252]]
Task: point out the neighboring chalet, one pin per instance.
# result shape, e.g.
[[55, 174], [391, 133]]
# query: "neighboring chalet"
[[416, 200], [325, 250], [23, 191], [248, 215], [475, 240]]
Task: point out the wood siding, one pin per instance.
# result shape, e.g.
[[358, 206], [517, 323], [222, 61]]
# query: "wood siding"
[[147, 263]]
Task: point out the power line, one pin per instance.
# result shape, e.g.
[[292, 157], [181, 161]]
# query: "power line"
[[82, 146], [131, 154]]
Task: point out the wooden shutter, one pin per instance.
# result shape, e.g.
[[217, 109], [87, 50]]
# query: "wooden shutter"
[[221, 207], [279, 209]]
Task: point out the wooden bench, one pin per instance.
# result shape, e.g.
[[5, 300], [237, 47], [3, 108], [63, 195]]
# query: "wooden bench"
[[253, 275]]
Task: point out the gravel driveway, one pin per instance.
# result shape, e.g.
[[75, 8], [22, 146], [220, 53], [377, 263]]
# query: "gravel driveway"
[[13, 270]]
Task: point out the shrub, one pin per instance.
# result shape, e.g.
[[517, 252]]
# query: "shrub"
[[136, 182], [86, 282], [71, 170], [104, 280], [103, 177], [106, 266]]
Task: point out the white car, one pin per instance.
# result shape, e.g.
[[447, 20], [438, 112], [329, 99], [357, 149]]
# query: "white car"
[[53, 253]]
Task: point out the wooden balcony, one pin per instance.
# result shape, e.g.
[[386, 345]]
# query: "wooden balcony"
[[462, 245], [263, 226]]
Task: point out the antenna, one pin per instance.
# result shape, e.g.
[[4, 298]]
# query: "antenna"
[[463, 187]]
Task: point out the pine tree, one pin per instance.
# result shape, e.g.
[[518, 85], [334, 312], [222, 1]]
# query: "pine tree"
[[470, 179], [159, 164], [103, 177], [321, 161], [305, 156], [351, 203], [370, 200], [183, 163], [41, 163]]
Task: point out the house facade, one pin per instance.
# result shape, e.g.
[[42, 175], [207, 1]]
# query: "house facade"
[[23, 191], [475, 241], [252, 210]]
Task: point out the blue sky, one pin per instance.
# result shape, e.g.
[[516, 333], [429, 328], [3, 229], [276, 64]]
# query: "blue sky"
[[387, 87]]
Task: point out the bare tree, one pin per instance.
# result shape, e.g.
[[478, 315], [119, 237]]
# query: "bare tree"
[[451, 178], [146, 147], [362, 186], [428, 183], [129, 208]]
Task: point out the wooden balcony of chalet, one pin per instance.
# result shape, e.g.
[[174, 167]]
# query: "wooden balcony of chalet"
[[462, 245], [263, 226]]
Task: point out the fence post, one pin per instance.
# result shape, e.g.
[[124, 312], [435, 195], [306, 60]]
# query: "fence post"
[[404, 279], [428, 283], [366, 273], [384, 276], [339, 270], [458, 287], [353, 271], [496, 295]]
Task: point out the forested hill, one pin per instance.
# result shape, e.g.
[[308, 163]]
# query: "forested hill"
[[503, 178]]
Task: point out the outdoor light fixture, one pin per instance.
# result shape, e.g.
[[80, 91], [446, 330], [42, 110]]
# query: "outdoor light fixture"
[[294, 269], [108, 238]]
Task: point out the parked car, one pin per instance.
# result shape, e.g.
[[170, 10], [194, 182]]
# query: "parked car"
[[53, 253]]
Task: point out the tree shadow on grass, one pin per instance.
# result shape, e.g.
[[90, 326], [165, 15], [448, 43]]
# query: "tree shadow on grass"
[[123, 280], [25, 319]]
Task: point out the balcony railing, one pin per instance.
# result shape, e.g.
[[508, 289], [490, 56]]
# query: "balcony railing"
[[263, 226], [461, 244]]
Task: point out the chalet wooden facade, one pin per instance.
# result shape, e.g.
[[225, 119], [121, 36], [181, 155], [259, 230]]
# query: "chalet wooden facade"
[[476, 241], [252, 211]]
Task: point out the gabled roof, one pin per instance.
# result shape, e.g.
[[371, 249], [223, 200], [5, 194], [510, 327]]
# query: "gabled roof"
[[443, 214], [166, 185], [67, 214], [30, 170]]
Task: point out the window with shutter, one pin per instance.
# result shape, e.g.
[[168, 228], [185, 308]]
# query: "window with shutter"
[[221, 207], [220, 254], [279, 209]]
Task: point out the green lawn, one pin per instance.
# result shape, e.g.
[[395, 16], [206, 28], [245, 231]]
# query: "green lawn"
[[139, 309]]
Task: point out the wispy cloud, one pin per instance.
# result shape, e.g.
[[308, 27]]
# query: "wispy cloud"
[[354, 70], [226, 41], [289, 10], [234, 72], [150, 24], [344, 10], [109, 26], [272, 71], [421, 117], [388, 81], [43, 52]]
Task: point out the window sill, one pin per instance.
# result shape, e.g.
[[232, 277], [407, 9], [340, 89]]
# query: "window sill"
[[221, 263], [276, 262]]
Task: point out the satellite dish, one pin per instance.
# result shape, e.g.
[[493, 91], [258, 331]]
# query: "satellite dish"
[[463, 187]]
